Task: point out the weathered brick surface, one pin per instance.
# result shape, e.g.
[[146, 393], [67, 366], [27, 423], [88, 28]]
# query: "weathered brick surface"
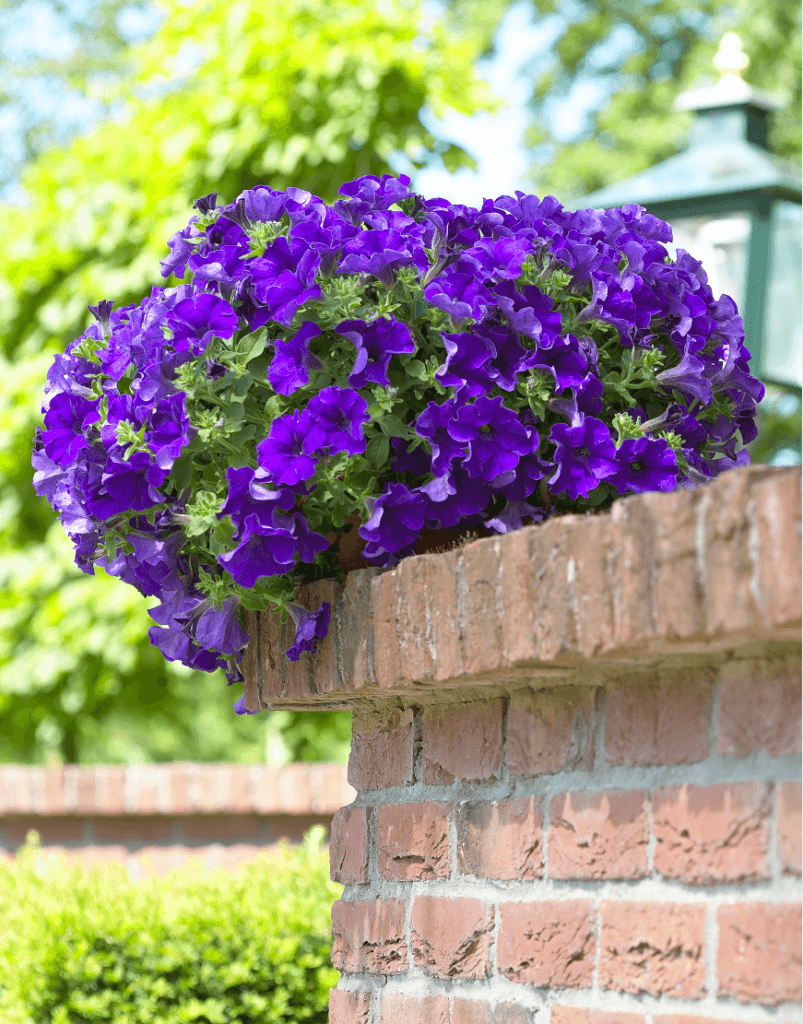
[[789, 826], [687, 1018], [412, 841], [348, 846], [500, 838], [776, 508], [451, 938], [548, 943], [477, 1011], [599, 835], [348, 1007], [549, 731], [398, 1008], [712, 834], [759, 708], [660, 721], [582, 1015], [479, 582], [461, 741], [369, 936], [657, 948], [758, 956], [381, 750], [385, 601], [355, 634]]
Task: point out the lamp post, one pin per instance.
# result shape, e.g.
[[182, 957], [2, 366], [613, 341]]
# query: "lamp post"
[[737, 207]]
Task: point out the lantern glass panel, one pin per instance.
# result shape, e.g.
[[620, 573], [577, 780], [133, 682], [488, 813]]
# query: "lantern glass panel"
[[783, 353], [721, 244]]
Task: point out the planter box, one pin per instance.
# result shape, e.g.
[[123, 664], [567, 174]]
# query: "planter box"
[[577, 755]]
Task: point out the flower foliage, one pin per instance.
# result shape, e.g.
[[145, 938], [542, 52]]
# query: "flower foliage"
[[389, 363]]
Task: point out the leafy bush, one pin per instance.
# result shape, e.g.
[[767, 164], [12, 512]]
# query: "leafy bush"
[[90, 946]]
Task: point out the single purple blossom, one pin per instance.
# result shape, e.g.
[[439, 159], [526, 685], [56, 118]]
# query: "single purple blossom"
[[495, 435], [462, 296], [66, 421], [396, 521], [376, 342], [285, 453], [218, 629], [381, 253], [644, 464], [584, 455], [468, 364], [335, 418], [262, 551], [310, 627], [433, 424], [293, 360]]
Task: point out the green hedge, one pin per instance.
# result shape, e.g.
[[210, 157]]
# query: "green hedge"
[[82, 946]]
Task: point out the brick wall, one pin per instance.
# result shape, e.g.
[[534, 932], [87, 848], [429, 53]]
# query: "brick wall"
[[157, 817], [576, 750]]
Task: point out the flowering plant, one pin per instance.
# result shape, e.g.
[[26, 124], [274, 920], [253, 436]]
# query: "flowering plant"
[[388, 361]]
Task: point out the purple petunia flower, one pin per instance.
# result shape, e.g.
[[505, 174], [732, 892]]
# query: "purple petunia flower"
[[496, 437], [381, 253], [285, 454], [433, 424], [396, 520], [376, 342], [217, 629], [249, 496], [262, 551], [293, 360], [310, 626], [194, 321], [462, 296], [584, 455], [66, 420], [644, 464], [468, 364], [335, 418]]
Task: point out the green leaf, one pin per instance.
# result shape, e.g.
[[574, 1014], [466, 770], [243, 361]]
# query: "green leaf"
[[392, 426], [377, 451]]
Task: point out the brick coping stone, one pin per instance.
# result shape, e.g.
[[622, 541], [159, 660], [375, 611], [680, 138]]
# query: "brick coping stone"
[[648, 587]]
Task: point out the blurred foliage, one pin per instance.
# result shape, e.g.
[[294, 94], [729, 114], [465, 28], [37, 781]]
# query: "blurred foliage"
[[635, 57], [223, 96], [91, 946]]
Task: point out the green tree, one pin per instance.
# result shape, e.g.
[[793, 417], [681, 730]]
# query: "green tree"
[[225, 95]]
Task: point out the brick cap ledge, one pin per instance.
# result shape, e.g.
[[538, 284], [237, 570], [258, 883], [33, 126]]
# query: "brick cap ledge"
[[658, 580], [175, 788]]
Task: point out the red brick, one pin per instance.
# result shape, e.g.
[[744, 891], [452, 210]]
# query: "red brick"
[[581, 1015], [451, 938], [385, 614], [381, 749], [777, 517], [53, 791], [630, 576], [369, 936], [728, 575], [437, 574], [555, 625], [272, 652], [549, 944], [712, 834], [109, 784], [789, 826], [550, 730], [517, 589], [479, 584], [295, 791], [677, 600], [688, 1018], [349, 1007], [445, 753], [657, 948], [758, 956], [250, 663], [500, 839], [324, 663], [412, 841], [79, 789], [658, 721], [477, 1011], [416, 641], [588, 571], [759, 708], [402, 1009], [355, 632], [329, 790], [348, 846], [599, 835]]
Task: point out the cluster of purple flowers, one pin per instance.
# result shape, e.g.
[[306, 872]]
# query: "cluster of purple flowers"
[[415, 362]]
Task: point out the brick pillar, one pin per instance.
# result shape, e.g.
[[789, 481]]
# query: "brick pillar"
[[576, 750]]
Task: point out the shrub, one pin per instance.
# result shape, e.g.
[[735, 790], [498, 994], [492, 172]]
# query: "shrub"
[[85, 946]]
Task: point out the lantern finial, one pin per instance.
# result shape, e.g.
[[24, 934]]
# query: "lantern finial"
[[731, 60]]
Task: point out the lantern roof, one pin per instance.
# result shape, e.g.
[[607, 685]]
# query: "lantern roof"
[[727, 154]]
